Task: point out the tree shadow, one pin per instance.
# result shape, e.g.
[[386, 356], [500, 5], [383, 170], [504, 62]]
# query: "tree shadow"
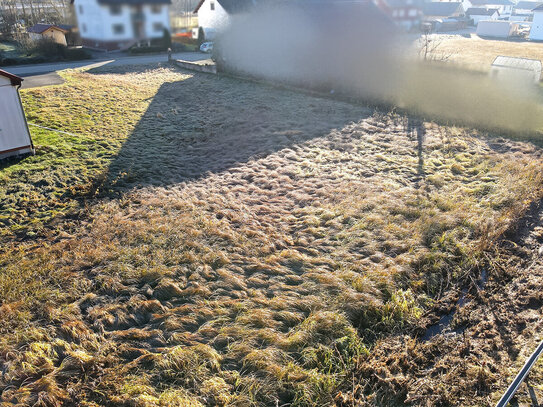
[[209, 124]]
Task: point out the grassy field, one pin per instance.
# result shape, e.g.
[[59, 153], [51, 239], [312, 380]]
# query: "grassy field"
[[201, 240], [478, 53]]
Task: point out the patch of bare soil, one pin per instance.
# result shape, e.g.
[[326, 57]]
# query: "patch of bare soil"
[[493, 328]]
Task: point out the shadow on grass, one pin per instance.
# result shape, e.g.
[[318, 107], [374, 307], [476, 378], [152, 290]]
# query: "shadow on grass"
[[207, 124]]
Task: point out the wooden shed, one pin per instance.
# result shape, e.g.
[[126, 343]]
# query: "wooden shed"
[[14, 134]]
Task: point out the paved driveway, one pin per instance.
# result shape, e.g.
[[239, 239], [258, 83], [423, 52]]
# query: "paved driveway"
[[109, 59]]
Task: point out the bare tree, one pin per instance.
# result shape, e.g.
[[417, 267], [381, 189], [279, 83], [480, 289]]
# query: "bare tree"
[[429, 47]]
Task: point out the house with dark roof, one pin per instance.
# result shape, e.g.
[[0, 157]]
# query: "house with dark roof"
[[523, 10], [536, 31], [405, 13], [477, 14], [442, 10], [57, 33], [526, 7], [118, 24]]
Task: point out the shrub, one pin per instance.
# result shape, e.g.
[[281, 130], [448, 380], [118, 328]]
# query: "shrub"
[[146, 49], [75, 54]]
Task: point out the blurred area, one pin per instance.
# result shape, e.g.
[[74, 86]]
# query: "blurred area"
[[356, 49]]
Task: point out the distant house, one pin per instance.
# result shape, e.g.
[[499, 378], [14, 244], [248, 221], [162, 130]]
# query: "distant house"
[[504, 7], [442, 10], [213, 15], [405, 13], [536, 32], [526, 7], [119, 24], [50, 31], [516, 69], [482, 14]]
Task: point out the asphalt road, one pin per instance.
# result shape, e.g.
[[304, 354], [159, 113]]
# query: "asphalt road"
[[37, 69]]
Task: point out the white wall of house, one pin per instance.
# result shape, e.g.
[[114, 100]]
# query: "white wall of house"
[[106, 23], [212, 15], [503, 10], [536, 32], [476, 19], [157, 17], [90, 19]]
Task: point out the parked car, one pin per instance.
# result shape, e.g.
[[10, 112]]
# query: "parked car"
[[206, 47]]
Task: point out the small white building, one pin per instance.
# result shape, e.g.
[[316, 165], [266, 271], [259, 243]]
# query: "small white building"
[[14, 134], [497, 28], [504, 7], [516, 69], [482, 14], [536, 32], [118, 24], [214, 15], [49, 31]]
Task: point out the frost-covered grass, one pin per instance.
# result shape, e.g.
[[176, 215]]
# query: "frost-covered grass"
[[235, 244]]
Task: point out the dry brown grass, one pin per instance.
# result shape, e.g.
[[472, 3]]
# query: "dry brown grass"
[[478, 53], [247, 246]]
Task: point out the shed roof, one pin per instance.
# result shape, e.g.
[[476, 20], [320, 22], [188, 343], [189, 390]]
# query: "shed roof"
[[479, 11], [15, 80], [492, 2], [41, 28], [518, 63], [528, 5], [404, 3], [442, 9]]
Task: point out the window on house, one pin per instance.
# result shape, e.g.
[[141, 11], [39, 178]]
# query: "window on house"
[[212, 5], [84, 27], [401, 13], [118, 29], [80, 9], [412, 12], [115, 10], [157, 27], [155, 9]]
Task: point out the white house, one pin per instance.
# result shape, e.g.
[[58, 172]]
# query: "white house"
[[213, 15], [118, 24], [14, 135], [536, 32], [49, 31], [504, 7], [482, 14]]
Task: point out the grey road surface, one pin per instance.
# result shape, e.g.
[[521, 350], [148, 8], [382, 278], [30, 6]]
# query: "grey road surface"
[[111, 59], [36, 81]]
